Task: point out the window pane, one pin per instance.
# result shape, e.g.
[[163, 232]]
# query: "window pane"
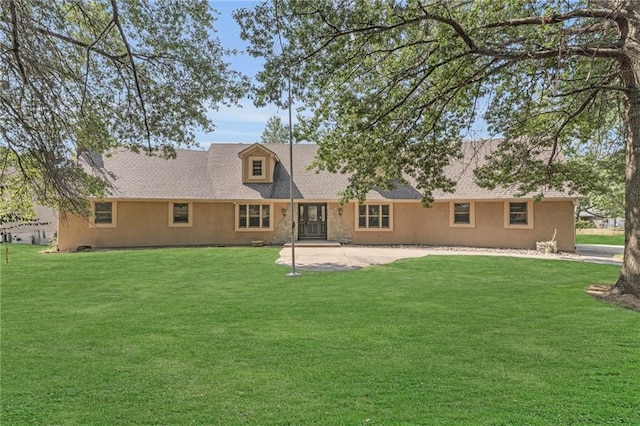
[[362, 216], [254, 215], [180, 213], [462, 213], [312, 213], [103, 213], [518, 219], [265, 216], [374, 216], [385, 216], [518, 213], [461, 218], [242, 216], [462, 207], [517, 207], [256, 168]]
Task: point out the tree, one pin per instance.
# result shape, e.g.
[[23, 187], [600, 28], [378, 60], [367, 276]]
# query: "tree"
[[604, 196], [92, 76], [395, 86], [275, 131]]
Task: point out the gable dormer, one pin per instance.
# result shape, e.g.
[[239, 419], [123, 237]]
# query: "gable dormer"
[[258, 164]]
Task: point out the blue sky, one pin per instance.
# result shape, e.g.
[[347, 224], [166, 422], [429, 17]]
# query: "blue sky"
[[237, 125]]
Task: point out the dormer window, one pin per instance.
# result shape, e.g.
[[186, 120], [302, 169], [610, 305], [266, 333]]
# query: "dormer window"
[[258, 164], [257, 168]]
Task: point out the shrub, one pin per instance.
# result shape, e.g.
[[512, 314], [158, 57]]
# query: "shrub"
[[584, 224]]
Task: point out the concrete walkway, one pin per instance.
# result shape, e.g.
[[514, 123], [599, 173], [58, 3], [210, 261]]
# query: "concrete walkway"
[[332, 257]]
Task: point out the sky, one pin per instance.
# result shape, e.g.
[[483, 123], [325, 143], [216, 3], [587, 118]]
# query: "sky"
[[237, 125]]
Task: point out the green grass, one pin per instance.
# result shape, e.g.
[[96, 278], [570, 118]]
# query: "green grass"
[[221, 336], [613, 240]]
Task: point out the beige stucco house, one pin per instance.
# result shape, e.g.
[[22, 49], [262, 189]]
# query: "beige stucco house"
[[234, 194], [39, 231]]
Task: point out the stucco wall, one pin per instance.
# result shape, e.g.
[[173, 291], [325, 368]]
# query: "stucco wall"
[[413, 224], [146, 224], [142, 224]]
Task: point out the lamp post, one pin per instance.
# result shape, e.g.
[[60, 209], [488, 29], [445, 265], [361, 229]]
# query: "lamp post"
[[293, 272]]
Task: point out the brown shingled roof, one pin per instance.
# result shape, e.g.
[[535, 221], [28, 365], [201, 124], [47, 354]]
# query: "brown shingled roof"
[[216, 174]]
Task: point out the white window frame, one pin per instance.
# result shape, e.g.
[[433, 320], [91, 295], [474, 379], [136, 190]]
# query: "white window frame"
[[189, 222], [250, 174], [507, 215], [472, 215], [367, 228], [248, 228], [114, 215]]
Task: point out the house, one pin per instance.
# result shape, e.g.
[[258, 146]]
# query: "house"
[[234, 194], [40, 230]]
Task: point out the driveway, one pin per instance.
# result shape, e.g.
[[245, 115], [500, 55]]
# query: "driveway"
[[598, 253], [344, 258]]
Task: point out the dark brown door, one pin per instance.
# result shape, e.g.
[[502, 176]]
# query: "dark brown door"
[[313, 221]]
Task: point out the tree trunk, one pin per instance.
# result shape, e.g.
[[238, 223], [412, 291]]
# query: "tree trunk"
[[629, 279]]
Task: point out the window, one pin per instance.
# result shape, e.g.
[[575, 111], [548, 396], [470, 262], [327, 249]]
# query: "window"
[[104, 214], [462, 215], [180, 214], [374, 216], [519, 215], [253, 216], [256, 168]]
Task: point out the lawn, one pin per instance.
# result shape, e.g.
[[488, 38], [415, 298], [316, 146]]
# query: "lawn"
[[221, 336], [613, 240]]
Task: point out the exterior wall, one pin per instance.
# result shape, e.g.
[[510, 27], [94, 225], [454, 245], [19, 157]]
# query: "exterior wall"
[[283, 226], [339, 228], [414, 224], [146, 224]]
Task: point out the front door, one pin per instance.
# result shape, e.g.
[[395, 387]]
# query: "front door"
[[313, 221]]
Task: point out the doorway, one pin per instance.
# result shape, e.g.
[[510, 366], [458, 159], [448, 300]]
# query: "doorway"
[[313, 221]]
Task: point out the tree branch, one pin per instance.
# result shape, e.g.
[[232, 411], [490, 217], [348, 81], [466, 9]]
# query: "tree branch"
[[136, 79], [453, 24], [16, 40], [67, 39], [556, 19]]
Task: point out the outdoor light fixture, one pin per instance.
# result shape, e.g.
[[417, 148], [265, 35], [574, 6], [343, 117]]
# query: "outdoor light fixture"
[[284, 212], [339, 211]]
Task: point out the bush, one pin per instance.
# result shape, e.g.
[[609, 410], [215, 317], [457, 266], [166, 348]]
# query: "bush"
[[585, 224]]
